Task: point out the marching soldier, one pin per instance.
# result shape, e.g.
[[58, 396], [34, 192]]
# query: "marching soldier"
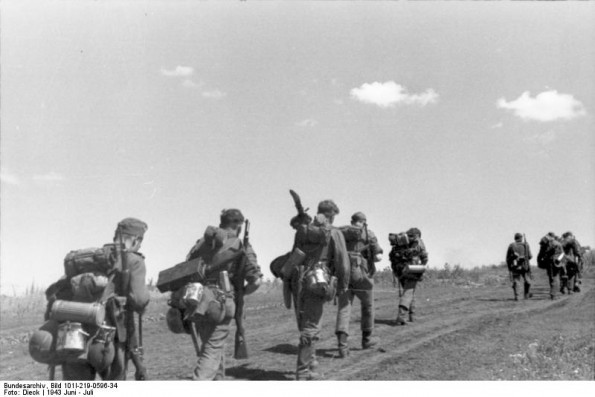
[[130, 233], [313, 280], [551, 254], [518, 256], [364, 250], [412, 254], [245, 277], [574, 262]]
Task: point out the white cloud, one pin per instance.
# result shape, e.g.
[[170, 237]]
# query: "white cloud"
[[390, 94], [9, 179], [307, 123], [191, 84], [49, 177], [498, 125], [214, 94], [545, 106], [179, 71]]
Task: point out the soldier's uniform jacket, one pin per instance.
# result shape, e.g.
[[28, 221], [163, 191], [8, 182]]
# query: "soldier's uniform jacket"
[[325, 244], [136, 293], [243, 267], [518, 253]]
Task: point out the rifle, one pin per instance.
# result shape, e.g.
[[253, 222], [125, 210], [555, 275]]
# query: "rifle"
[[371, 264], [240, 348], [134, 351], [302, 215]]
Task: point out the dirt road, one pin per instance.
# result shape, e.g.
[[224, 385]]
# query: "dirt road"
[[463, 331]]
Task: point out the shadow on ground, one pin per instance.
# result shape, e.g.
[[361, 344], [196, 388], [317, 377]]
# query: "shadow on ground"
[[242, 372], [283, 348], [390, 322]]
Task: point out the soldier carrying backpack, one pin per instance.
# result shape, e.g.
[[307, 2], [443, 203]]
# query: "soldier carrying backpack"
[[408, 259], [518, 256], [551, 258], [207, 292], [90, 325], [364, 250]]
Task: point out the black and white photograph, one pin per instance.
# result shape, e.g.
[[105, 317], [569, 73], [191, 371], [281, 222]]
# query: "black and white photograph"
[[245, 190]]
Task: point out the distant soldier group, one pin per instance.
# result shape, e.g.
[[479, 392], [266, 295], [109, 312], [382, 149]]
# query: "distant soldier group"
[[561, 257]]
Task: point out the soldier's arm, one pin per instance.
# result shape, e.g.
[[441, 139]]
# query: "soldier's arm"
[[138, 294], [423, 255], [376, 249], [252, 272], [509, 255]]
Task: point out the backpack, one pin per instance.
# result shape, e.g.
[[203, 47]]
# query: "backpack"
[[210, 255], [76, 311], [89, 271], [544, 246]]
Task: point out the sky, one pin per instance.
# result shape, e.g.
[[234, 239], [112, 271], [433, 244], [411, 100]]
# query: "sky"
[[469, 120]]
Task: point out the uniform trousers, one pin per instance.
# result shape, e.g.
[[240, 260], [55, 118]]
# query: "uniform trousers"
[[366, 297], [211, 360], [309, 316]]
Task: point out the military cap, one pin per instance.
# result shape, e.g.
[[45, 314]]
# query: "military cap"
[[414, 232], [328, 207], [567, 234], [232, 215], [133, 227], [518, 236], [358, 216], [551, 234]]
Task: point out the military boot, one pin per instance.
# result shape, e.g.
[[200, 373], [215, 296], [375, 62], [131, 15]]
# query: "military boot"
[[411, 317], [342, 344], [304, 363], [368, 341], [314, 362], [400, 317], [527, 293]]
